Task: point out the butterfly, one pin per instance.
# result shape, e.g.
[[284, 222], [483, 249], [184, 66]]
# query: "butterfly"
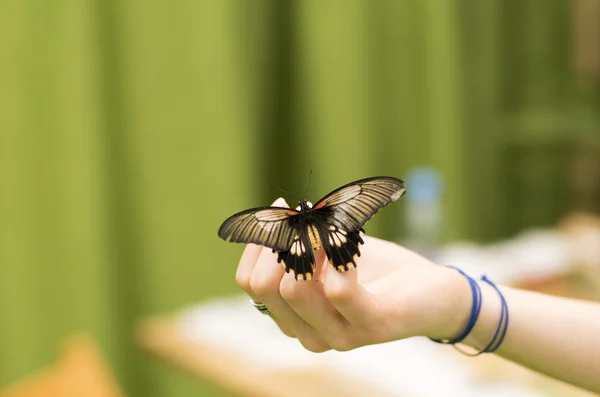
[[334, 224]]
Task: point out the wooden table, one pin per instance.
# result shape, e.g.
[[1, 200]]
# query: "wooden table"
[[160, 337]]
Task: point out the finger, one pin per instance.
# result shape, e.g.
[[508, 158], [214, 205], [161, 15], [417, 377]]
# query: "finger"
[[264, 284], [258, 291], [306, 298], [249, 258], [352, 301], [246, 265]]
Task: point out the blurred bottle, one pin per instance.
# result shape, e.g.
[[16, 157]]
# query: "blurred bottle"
[[423, 230]]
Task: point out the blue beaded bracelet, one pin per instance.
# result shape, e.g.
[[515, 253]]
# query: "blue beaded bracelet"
[[475, 310]]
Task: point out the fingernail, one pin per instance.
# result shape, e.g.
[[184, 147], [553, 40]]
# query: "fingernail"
[[280, 202]]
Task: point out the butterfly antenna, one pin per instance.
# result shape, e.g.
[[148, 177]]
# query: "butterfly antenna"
[[281, 190], [306, 184], [291, 192]]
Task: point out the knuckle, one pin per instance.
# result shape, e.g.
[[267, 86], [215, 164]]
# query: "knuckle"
[[263, 286], [313, 345], [365, 332], [369, 335], [285, 328], [289, 292], [337, 293], [243, 281], [343, 343], [287, 332]]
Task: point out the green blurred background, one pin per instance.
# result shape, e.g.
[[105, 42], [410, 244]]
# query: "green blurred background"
[[131, 129]]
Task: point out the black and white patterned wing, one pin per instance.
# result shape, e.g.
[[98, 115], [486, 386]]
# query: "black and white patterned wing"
[[340, 246], [351, 206], [341, 215], [299, 260], [272, 227]]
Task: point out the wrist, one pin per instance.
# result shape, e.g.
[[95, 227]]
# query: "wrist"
[[454, 304], [471, 307]]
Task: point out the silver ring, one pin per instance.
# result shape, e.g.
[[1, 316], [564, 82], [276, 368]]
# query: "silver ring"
[[260, 307]]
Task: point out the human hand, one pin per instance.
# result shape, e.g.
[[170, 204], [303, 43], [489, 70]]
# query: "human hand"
[[393, 293]]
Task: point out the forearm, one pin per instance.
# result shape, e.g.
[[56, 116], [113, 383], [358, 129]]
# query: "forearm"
[[552, 335]]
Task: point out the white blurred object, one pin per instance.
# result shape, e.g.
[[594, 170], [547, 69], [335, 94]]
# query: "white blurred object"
[[582, 231], [585, 248], [533, 254]]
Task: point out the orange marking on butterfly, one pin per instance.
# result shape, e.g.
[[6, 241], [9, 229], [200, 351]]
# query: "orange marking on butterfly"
[[321, 205]]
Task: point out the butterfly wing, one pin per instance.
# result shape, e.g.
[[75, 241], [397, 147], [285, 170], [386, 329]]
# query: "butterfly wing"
[[273, 227], [281, 229], [299, 259], [351, 206], [340, 246], [342, 213]]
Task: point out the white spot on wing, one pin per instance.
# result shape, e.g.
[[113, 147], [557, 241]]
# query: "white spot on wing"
[[397, 194], [336, 240]]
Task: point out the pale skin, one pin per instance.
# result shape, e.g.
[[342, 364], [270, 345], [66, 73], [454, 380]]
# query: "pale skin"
[[395, 293]]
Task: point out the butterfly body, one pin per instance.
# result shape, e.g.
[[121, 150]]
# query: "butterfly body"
[[334, 224], [308, 216]]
